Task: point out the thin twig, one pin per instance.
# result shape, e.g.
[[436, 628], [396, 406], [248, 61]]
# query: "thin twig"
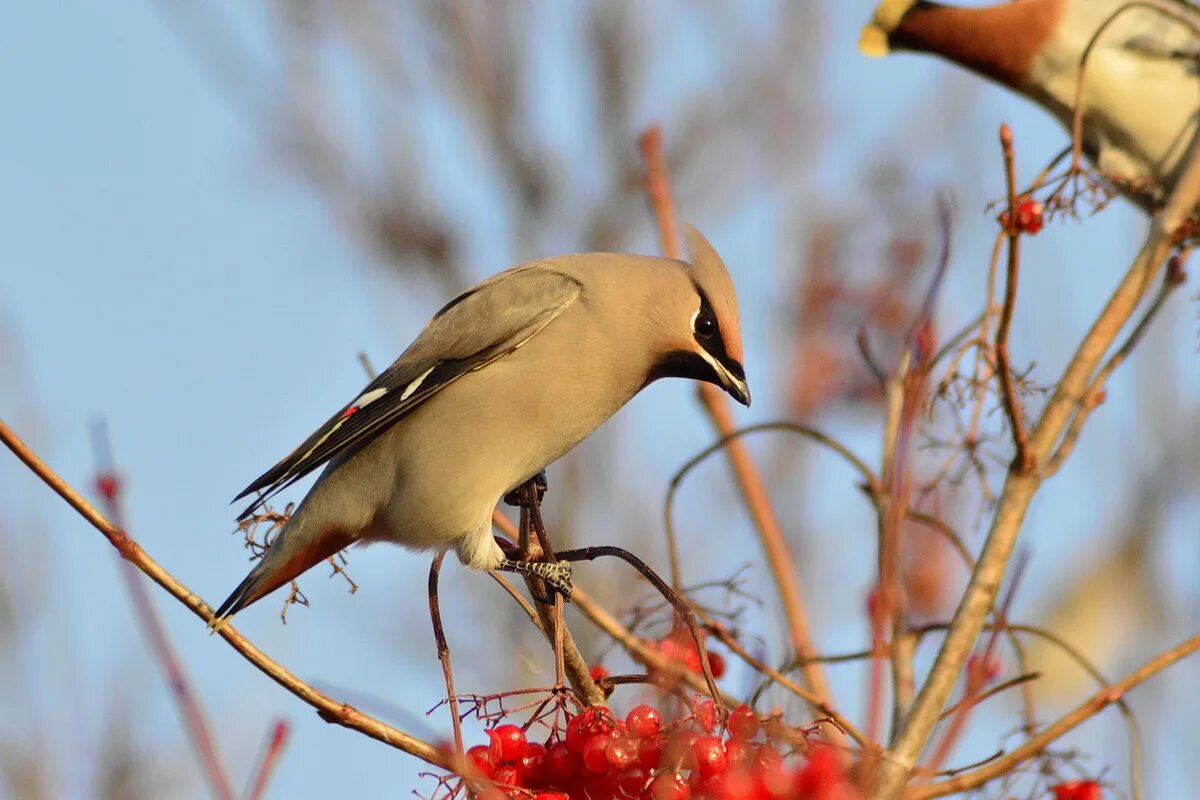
[[195, 719], [329, 709], [270, 757], [443, 649], [1008, 392], [1095, 704], [734, 646], [685, 611], [972, 700], [531, 520], [577, 671]]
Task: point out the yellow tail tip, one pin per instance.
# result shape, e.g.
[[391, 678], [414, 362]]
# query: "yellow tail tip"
[[873, 41], [216, 625]]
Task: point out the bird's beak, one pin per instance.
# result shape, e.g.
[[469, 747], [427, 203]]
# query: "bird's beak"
[[729, 375], [739, 391], [733, 381]]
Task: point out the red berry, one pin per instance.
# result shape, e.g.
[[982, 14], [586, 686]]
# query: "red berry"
[[508, 743], [679, 749], [737, 751], [716, 662], [481, 757], [583, 726], [743, 723], [533, 761], [644, 721], [596, 787], [774, 780], [767, 757], [736, 784], [704, 785], [1029, 216], [632, 781], [507, 776], [822, 773], [709, 752], [621, 751], [595, 754], [669, 787], [550, 796], [1077, 790], [562, 761], [650, 751], [577, 734]]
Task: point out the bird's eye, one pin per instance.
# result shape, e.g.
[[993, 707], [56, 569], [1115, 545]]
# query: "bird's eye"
[[704, 326]]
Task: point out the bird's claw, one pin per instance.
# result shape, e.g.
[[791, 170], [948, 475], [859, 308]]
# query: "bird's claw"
[[557, 575]]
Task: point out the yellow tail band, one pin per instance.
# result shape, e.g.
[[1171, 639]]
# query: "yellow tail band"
[[873, 41]]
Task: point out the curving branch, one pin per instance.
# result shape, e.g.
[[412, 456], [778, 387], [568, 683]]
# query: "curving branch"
[[327, 708]]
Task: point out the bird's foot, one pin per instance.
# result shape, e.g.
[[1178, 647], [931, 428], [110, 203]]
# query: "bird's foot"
[[517, 496], [556, 574]]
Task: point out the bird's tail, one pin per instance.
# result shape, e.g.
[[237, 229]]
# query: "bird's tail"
[[292, 553], [873, 41]]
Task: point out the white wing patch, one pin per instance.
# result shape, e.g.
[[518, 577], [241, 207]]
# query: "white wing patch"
[[412, 387], [371, 397]]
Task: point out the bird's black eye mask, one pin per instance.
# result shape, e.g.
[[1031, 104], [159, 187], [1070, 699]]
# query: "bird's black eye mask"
[[708, 335], [693, 365]]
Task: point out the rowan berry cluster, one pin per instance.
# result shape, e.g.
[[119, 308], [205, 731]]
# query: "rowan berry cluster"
[[1028, 217], [601, 757]]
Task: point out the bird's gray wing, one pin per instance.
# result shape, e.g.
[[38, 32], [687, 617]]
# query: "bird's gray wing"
[[482, 324]]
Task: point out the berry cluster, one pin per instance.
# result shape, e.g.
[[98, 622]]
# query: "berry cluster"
[[600, 757], [1028, 217]]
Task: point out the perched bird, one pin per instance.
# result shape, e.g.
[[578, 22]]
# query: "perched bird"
[[1141, 93], [506, 378]]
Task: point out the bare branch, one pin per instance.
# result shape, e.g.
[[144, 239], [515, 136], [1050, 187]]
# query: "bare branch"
[[329, 709], [1020, 488], [1094, 705]]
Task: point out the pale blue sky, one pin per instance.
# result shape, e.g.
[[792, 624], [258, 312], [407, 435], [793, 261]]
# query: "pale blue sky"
[[157, 268]]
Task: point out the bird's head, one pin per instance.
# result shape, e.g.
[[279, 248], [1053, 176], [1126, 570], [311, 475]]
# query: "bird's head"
[[705, 341]]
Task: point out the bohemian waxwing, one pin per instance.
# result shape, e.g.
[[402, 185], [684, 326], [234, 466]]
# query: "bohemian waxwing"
[[1141, 91], [505, 379]]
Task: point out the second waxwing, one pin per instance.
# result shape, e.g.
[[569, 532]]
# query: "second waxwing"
[[505, 379], [1141, 94]]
